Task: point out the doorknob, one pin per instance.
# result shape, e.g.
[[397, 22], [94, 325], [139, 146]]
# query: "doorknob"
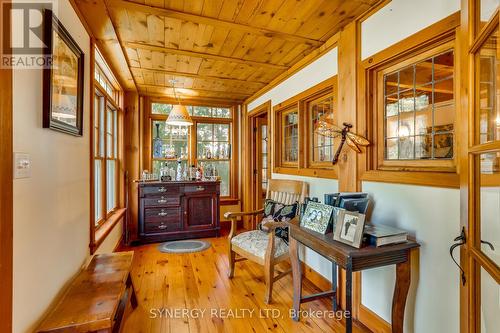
[[461, 241]]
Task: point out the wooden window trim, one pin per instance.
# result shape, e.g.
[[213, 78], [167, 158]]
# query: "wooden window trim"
[[303, 167], [440, 173], [281, 114], [105, 225], [148, 117]]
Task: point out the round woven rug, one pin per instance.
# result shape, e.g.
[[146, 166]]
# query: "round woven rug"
[[184, 246]]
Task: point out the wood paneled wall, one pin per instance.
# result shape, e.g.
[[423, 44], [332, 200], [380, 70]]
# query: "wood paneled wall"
[[6, 200], [131, 136]]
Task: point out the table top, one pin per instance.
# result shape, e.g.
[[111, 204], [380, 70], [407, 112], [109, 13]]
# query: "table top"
[[91, 301], [346, 256]]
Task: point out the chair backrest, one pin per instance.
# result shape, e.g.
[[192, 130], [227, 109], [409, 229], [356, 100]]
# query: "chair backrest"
[[286, 191]]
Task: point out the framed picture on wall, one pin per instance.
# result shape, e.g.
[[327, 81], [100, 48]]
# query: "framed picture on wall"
[[63, 80], [349, 228]]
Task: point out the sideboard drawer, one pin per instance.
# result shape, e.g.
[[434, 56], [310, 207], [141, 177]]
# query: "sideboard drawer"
[[169, 215], [160, 190], [199, 188], [164, 200], [161, 227]]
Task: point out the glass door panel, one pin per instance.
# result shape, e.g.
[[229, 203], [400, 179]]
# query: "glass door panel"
[[490, 303], [489, 198]]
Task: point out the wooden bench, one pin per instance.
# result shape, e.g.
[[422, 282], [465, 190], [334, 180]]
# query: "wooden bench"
[[97, 299]]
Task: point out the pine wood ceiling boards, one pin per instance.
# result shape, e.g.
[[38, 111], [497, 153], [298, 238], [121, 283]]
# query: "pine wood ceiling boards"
[[216, 49]]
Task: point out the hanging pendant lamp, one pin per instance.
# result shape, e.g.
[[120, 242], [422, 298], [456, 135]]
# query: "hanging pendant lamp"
[[179, 115]]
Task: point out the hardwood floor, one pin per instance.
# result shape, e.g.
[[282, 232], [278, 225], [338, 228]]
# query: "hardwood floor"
[[198, 282]]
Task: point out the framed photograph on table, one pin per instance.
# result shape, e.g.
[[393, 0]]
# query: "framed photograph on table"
[[349, 228], [62, 80], [316, 217]]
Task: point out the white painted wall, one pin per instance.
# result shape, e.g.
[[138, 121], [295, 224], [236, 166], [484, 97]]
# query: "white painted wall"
[[432, 216], [51, 209], [323, 68], [400, 19]]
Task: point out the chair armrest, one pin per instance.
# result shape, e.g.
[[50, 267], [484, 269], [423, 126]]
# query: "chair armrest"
[[271, 225], [230, 215], [233, 217]]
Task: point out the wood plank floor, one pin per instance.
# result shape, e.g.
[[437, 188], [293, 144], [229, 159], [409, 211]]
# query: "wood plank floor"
[[198, 282]]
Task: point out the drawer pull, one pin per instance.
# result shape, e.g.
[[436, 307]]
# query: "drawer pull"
[[162, 189], [200, 188], [162, 227], [162, 200], [162, 213]]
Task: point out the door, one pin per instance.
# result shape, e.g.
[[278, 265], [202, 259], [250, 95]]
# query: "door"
[[480, 174], [200, 210], [262, 168]]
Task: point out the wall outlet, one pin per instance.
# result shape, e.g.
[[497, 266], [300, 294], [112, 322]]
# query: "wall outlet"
[[22, 165]]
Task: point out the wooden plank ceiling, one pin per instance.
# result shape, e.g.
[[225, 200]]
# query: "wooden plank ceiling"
[[215, 49]]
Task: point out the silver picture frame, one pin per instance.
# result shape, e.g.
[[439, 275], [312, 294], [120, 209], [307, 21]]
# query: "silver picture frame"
[[316, 217], [349, 228]]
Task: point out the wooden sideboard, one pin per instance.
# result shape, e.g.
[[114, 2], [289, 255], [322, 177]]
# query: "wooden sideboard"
[[177, 210]]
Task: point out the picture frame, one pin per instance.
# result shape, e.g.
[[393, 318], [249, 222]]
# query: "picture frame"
[[63, 80], [316, 217], [349, 228]]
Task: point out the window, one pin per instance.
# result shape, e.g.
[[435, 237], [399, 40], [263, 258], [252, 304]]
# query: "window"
[[169, 144], [213, 151], [299, 150], [419, 110], [105, 158], [207, 143], [105, 151], [322, 147], [290, 134], [415, 117]]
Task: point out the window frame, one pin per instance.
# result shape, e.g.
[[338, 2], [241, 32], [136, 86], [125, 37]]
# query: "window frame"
[[281, 114], [439, 33], [444, 165], [107, 103], [108, 219], [321, 94], [192, 140], [305, 166]]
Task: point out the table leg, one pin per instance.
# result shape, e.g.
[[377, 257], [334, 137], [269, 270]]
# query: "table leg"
[[334, 286], [297, 277], [348, 300], [403, 277]]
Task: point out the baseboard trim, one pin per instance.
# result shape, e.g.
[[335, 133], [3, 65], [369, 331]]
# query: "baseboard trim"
[[371, 320], [366, 316]]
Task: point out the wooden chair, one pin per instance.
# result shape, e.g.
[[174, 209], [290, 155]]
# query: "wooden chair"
[[263, 247]]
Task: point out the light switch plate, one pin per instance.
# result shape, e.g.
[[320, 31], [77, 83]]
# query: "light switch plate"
[[22, 165]]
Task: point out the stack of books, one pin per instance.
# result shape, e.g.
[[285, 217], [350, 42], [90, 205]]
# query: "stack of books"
[[380, 235]]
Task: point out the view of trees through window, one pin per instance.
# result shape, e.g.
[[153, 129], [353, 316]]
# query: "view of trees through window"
[[210, 136]]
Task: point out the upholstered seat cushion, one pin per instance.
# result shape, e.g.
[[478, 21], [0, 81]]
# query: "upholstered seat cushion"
[[255, 242]]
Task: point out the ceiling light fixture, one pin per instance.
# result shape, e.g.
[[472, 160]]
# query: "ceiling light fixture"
[[179, 115]]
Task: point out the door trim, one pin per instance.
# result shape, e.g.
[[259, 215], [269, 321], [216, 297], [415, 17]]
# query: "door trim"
[[6, 200], [248, 156]]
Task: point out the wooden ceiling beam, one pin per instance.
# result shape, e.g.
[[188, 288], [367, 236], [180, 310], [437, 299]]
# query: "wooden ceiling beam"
[[200, 100], [132, 6], [197, 76], [155, 48], [180, 90]]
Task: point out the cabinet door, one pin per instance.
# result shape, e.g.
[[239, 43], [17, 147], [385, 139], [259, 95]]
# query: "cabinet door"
[[200, 211]]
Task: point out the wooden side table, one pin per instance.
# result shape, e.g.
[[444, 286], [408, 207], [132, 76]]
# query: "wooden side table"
[[352, 260]]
